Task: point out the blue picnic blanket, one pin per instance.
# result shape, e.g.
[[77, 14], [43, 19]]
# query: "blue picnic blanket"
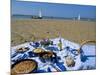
[[85, 61]]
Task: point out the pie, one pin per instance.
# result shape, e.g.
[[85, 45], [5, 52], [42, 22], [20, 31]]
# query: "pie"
[[25, 66]]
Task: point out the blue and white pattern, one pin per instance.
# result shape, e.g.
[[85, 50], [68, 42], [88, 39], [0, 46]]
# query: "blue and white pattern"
[[82, 62]]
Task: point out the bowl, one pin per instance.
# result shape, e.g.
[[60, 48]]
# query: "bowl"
[[38, 51], [70, 61], [22, 49]]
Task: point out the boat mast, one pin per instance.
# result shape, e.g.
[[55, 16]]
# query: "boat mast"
[[40, 13], [79, 17]]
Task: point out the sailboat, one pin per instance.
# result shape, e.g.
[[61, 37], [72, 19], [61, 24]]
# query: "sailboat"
[[40, 14], [79, 17]]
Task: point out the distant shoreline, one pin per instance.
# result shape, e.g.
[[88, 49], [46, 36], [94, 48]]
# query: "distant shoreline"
[[50, 17]]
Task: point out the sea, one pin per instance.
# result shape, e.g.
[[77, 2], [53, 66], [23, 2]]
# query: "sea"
[[50, 17]]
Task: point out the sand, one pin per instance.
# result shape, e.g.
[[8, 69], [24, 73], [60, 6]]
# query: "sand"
[[35, 29]]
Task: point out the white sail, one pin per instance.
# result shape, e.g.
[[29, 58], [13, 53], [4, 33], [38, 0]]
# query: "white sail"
[[40, 13], [79, 17]]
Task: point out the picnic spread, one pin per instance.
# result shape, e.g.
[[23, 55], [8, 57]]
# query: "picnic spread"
[[52, 55]]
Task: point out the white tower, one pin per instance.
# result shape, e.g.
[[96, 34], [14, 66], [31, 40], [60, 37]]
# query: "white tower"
[[79, 17], [40, 13]]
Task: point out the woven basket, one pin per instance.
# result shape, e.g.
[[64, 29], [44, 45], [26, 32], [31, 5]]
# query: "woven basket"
[[84, 43]]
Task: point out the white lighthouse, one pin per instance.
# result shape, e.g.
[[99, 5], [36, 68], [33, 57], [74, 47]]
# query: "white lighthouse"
[[79, 17]]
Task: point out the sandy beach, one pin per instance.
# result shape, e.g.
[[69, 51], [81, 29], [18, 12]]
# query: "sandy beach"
[[35, 29]]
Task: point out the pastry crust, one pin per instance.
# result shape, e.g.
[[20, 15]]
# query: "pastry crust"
[[25, 66]]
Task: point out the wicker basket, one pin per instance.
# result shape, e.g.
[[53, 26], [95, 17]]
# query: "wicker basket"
[[84, 43]]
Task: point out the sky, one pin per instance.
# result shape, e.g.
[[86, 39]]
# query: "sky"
[[52, 9]]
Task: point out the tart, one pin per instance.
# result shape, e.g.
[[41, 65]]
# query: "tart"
[[24, 66]]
